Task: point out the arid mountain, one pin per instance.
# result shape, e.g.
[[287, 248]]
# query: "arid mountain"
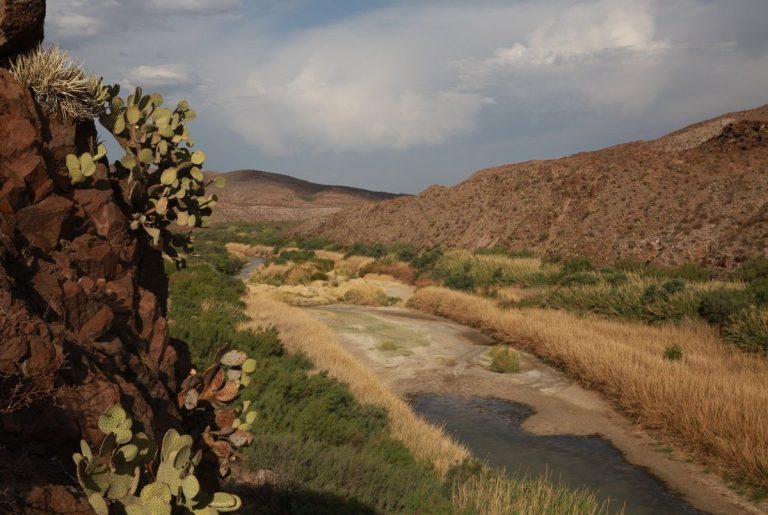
[[253, 196], [698, 194]]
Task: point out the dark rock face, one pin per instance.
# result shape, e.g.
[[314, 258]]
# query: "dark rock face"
[[21, 26], [82, 309]]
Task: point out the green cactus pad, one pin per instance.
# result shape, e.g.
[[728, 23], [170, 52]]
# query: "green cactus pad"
[[168, 475], [156, 499], [129, 451], [190, 486], [119, 126], [133, 115], [86, 450], [182, 458], [98, 504], [249, 366], [225, 502], [120, 485], [101, 152], [198, 157], [146, 156], [73, 163], [233, 358], [113, 419], [168, 176]]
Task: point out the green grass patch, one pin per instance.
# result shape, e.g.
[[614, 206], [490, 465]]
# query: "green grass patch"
[[504, 359]]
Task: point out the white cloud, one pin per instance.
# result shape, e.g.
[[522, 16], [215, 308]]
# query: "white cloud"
[[161, 75], [197, 6], [314, 107], [604, 53]]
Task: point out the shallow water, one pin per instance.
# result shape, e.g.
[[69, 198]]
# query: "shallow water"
[[253, 263], [491, 429]]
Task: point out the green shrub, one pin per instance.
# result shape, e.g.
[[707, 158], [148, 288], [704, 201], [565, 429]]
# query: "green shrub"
[[633, 298], [615, 277], [748, 329], [717, 306], [318, 276], [577, 264], [493, 251], [313, 244], [689, 272], [375, 250], [460, 280], [752, 269], [673, 286], [504, 359], [758, 289], [578, 278], [673, 352], [426, 260], [404, 252], [296, 256]]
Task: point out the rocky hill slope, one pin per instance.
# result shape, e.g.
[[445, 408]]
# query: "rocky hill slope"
[[254, 196], [699, 194]]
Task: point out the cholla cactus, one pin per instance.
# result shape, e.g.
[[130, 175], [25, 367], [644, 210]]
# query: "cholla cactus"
[[112, 477], [60, 86]]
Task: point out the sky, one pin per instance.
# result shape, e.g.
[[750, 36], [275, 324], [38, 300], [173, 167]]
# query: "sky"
[[399, 95]]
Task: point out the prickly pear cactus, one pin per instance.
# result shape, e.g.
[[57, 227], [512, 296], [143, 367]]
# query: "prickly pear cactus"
[[165, 184], [217, 388], [110, 478]]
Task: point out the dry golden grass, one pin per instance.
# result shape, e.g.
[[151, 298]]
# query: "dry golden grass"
[[365, 294], [397, 270], [328, 254], [353, 265], [272, 271], [301, 333], [491, 493], [241, 250], [714, 401], [509, 294]]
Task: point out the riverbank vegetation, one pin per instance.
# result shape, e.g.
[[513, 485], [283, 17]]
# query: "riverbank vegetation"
[[710, 401], [658, 341], [338, 441]]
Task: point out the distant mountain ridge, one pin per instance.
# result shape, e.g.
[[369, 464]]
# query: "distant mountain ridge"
[[698, 194], [253, 195]]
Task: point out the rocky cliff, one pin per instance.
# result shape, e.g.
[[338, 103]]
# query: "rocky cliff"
[[82, 301]]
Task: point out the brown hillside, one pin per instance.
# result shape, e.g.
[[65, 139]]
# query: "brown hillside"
[[253, 196], [698, 194]]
